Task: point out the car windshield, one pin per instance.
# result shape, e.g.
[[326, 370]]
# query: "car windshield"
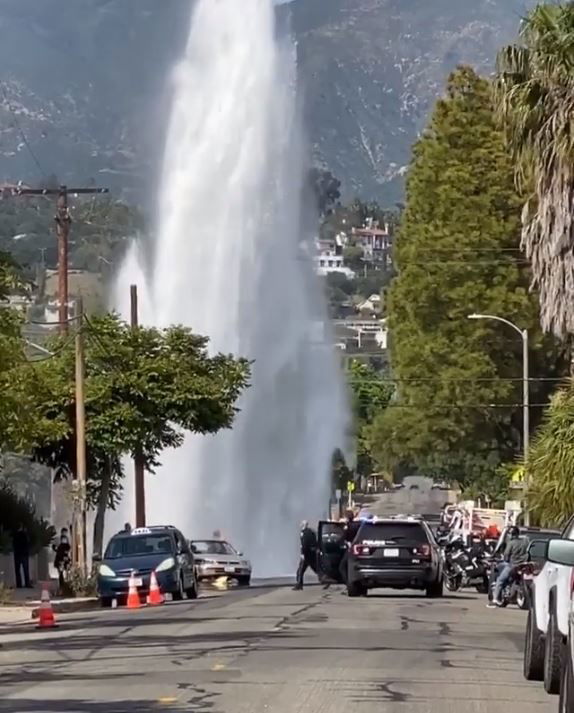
[[395, 531], [212, 547], [139, 545], [538, 535]]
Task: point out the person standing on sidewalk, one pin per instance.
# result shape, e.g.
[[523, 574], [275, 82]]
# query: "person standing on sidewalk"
[[62, 560], [21, 547], [308, 556]]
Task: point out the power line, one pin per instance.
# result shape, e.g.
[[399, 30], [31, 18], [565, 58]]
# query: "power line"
[[21, 130], [455, 380]]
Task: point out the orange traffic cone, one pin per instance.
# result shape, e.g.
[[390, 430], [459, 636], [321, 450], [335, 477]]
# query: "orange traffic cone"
[[133, 596], [46, 618], [155, 597]]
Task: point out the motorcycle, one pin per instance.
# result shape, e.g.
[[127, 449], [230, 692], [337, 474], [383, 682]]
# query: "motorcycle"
[[464, 567], [517, 588]]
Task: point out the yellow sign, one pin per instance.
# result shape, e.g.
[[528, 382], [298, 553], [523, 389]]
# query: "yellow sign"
[[518, 474], [350, 486]]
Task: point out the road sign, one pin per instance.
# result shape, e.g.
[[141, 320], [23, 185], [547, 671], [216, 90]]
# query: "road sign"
[[350, 486]]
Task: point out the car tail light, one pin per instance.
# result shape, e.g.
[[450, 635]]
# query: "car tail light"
[[422, 551], [362, 550]]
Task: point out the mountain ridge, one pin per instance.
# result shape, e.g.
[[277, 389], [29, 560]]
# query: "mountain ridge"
[[89, 91]]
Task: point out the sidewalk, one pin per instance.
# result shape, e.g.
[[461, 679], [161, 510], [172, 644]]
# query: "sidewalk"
[[24, 603]]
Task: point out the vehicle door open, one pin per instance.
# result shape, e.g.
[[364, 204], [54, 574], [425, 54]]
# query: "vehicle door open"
[[331, 544]]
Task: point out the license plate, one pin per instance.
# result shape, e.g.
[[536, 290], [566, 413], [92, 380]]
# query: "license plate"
[[230, 569], [391, 553], [138, 581]]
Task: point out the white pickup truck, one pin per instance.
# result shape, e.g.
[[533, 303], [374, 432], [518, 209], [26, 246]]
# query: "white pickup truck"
[[548, 619]]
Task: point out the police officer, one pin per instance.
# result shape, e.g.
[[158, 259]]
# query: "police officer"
[[308, 557], [350, 532]]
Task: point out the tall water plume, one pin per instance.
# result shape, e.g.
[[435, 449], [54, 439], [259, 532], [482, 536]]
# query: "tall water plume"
[[230, 262]]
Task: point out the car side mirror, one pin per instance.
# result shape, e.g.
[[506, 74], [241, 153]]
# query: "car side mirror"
[[96, 557], [561, 552]]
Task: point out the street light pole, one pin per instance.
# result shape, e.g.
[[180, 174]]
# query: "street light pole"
[[525, 398], [525, 386]]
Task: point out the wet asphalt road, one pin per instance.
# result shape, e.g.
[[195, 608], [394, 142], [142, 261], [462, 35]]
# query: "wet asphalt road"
[[270, 649]]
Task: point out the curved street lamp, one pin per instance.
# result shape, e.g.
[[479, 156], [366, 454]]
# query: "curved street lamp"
[[525, 376]]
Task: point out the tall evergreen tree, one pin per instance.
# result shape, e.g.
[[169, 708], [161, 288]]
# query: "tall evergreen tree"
[[457, 412]]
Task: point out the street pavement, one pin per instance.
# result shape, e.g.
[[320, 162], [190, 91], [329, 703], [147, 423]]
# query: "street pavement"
[[273, 649], [269, 649]]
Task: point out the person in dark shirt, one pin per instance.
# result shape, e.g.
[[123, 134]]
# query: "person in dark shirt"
[[515, 553], [21, 548], [350, 532], [308, 556], [62, 560]]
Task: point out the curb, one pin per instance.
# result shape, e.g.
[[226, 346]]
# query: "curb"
[[68, 607]]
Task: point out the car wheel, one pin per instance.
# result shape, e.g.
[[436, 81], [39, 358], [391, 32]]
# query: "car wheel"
[[533, 664], [482, 588], [522, 599], [180, 591], [105, 602], [191, 592], [435, 590], [355, 589], [453, 582], [566, 704], [552, 657], [244, 581]]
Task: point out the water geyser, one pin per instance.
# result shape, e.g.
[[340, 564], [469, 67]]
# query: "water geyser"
[[229, 261]]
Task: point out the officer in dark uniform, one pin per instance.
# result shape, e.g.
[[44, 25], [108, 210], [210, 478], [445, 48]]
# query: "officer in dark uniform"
[[308, 557], [350, 532]]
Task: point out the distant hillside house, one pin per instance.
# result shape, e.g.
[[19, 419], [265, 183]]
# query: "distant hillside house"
[[376, 242], [329, 258], [371, 305], [368, 336]]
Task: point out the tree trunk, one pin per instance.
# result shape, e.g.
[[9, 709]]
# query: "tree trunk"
[[100, 520]]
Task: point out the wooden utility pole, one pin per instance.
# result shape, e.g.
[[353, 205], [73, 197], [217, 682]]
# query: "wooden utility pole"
[[81, 475], [139, 466], [63, 225]]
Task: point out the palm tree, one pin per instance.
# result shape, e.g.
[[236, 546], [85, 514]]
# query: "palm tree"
[[534, 93], [550, 466]]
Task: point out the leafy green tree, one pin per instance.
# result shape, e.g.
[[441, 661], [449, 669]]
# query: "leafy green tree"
[[325, 188], [372, 393], [16, 511], [341, 474], [21, 425], [144, 387], [535, 97], [457, 414], [550, 466], [353, 255]]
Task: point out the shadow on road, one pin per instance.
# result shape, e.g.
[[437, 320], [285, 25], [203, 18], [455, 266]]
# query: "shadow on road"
[[84, 706]]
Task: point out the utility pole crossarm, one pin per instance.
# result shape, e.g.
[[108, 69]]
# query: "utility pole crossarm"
[[56, 191], [63, 222]]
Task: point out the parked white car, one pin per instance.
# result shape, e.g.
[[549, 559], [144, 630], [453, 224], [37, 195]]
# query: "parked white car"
[[561, 552], [548, 620]]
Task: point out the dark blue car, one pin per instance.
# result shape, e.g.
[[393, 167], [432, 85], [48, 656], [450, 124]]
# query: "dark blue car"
[[143, 550]]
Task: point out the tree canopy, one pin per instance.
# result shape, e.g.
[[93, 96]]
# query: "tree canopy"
[[535, 96], [550, 465], [145, 388], [371, 394], [457, 413]]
